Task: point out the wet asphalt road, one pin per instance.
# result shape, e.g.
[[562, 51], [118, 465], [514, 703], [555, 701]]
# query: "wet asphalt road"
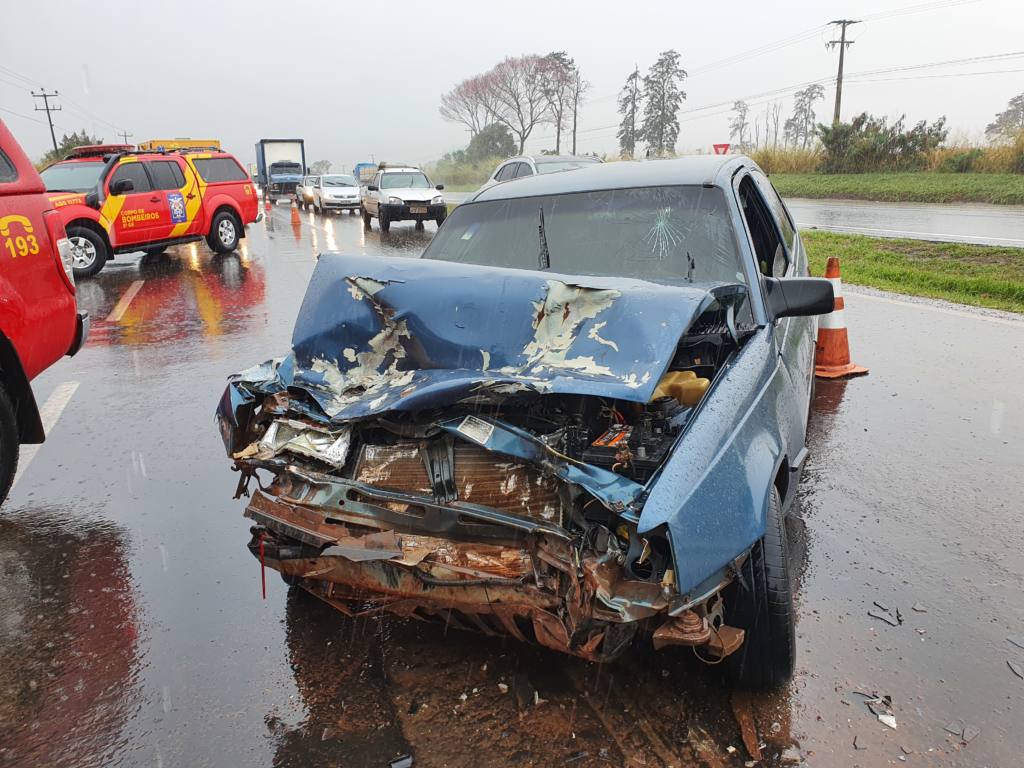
[[132, 631], [948, 223]]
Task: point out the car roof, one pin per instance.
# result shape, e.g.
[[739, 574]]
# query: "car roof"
[[554, 158], [696, 169], [401, 168]]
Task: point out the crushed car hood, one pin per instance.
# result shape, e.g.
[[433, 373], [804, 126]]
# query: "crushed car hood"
[[376, 335]]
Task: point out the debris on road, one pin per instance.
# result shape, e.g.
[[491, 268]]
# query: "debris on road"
[[884, 614], [1017, 640], [964, 731], [405, 761], [858, 744], [919, 607], [1016, 668], [503, 687], [741, 710]]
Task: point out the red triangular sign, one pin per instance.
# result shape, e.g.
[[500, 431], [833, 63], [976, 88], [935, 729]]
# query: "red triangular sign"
[[721, 149]]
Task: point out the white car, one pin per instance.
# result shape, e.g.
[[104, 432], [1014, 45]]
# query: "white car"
[[402, 193], [531, 165], [304, 191], [336, 192]]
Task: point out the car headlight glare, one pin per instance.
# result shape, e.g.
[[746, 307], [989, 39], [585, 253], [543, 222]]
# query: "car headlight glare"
[[396, 200], [438, 200]]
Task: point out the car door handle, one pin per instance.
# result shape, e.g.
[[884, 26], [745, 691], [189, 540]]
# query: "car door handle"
[[154, 199], [190, 195]]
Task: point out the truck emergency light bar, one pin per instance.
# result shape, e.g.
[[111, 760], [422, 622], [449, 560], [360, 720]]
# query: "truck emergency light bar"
[[98, 150]]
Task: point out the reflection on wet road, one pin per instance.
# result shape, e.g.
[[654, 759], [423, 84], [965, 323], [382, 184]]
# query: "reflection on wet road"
[[132, 632]]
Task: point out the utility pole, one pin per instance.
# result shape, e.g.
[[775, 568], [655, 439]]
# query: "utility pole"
[[124, 135], [842, 42], [48, 109]]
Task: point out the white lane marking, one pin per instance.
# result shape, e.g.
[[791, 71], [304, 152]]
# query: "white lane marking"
[[49, 413], [122, 306], [896, 233], [934, 308]]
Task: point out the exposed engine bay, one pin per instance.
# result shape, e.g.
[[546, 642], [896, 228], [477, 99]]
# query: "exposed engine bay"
[[513, 511]]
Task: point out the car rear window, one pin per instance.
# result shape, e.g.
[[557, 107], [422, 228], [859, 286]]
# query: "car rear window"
[[214, 169], [166, 174], [8, 172]]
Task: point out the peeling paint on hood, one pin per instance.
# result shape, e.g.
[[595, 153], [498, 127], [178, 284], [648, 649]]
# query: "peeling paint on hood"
[[375, 335]]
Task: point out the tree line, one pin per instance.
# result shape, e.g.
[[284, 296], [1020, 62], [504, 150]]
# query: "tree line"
[[519, 94]]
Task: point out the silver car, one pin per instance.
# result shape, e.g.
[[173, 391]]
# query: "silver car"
[[532, 165], [304, 191], [336, 192]]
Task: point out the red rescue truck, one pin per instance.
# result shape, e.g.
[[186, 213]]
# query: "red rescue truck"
[[114, 200], [39, 317]]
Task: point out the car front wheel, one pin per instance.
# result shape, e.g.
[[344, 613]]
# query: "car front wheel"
[[223, 232], [760, 602], [88, 251], [9, 447]]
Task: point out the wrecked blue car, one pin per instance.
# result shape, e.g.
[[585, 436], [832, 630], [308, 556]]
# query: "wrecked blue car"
[[576, 420]]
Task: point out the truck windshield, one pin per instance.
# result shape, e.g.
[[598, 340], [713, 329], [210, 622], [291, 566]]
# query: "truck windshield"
[[673, 234], [340, 181], [72, 177], [404, 181], [286, 168]]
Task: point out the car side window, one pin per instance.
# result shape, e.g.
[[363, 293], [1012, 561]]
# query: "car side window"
[[136, 172], [785, 224], [772, 259], [166, 174], [8, 172], [524, 169], [506, 172]]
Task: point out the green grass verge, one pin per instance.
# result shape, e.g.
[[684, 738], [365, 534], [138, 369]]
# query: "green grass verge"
[[979, 275], [923, 187]]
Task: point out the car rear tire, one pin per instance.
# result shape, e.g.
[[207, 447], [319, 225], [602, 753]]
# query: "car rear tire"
[[761, 604], [9, 444], [89, 251], [384, 222], [223, 237], [366, 218]]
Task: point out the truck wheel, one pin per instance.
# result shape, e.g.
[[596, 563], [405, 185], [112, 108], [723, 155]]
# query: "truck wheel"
[[223, 236], [8, 444], [761, 604], [384, 222], [366, 218], [89, 252]]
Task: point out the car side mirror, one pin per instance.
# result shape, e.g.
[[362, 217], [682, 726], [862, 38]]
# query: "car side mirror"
[[439, 187], [372, 188], [92, 199], [799, 296], [122, 187]]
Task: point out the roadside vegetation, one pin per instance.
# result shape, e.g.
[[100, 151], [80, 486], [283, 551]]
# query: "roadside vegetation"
[[921, 187], [978, 275]]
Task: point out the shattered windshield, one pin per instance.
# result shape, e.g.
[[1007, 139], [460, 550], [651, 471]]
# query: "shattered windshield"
[[668, 234]]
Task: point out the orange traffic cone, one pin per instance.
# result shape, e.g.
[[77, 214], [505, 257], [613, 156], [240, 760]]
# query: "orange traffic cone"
[[266, 204], [832, 353]]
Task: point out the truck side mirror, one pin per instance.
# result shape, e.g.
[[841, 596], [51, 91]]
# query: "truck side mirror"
[[122, 187], [372, 188]]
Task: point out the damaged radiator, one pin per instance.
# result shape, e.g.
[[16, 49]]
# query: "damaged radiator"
[[479, 477]]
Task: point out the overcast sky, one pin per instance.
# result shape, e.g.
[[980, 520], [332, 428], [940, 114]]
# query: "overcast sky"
[[356, 79]]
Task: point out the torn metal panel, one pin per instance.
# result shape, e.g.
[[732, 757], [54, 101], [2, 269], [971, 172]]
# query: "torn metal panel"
[[406, 334]]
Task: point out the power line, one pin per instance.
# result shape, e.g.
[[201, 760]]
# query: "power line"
[[124, 135], [48, 109]]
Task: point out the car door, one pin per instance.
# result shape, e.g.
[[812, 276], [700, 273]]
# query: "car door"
[[524, 169], [130, 216], [773, 242], [374, 196], [169, 185]]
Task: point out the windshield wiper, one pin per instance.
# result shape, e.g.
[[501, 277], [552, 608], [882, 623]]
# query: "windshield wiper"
[[543, 258]]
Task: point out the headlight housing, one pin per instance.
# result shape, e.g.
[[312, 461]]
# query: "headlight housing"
[[438, 200], [396, 200]]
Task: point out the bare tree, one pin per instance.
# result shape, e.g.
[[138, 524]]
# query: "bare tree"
[[740, 125], [579, 90], [559, 75], [514, 96], [466, 104], [772, 115]]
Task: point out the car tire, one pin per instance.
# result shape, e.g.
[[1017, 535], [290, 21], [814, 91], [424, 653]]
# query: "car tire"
[[760, 602], [366, 218], [440, 220], [223, 237], [383, 222], [90, 252], [9, 444], [155, 250]]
